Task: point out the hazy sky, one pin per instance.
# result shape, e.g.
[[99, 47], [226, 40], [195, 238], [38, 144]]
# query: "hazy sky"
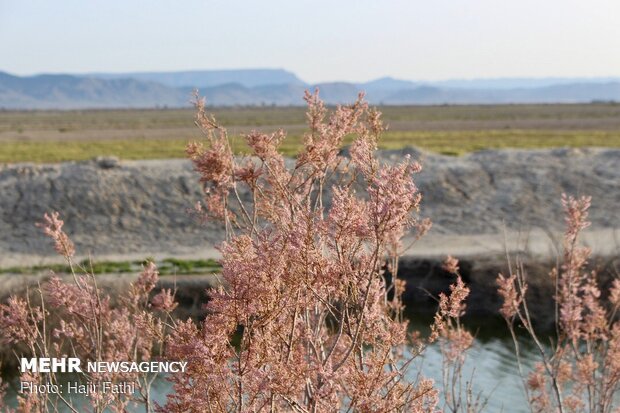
[[319, 40]]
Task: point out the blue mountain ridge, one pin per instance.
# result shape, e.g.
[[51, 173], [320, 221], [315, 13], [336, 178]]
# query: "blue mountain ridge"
[[282, 88]]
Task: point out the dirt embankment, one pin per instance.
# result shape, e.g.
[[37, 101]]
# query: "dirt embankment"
[[139, 208], [480, 204]]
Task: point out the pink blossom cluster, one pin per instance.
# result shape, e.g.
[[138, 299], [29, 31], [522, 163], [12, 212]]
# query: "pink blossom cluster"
[[581, 370], [77, 319], [303, 321], [52, 227]]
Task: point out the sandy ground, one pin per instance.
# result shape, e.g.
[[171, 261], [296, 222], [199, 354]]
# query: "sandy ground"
[[603, 242]]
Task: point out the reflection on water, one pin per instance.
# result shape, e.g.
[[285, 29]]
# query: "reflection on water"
[[495, 373], [491, 360]]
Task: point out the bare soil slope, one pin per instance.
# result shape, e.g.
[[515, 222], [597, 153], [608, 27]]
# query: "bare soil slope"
[[139, 208]]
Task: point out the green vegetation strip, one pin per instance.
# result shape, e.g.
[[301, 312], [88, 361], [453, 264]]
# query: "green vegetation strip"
[[445, 142], [168, 266]]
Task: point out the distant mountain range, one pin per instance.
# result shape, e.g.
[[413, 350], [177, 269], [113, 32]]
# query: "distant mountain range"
[[210, 78], [280, 87]]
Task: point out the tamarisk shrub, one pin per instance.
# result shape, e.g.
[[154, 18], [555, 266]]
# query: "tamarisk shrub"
[[76, 319], [454, 343], [580, 370], [307, 320], [309, 316]]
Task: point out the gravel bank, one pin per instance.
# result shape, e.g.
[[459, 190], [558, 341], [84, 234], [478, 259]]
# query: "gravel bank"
[[122, 209]]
